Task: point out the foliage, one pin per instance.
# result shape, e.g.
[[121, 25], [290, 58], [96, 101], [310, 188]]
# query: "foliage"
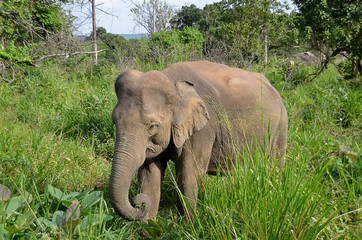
[[113, 44], [166, 47], [237, 29], [332, 27], [24, 23], [55, 213], [187, 16], [346, 68], [16, 54], [189, 38], [247, 22]]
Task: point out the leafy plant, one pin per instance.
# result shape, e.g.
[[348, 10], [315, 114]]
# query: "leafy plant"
[[332, 27], [71, 213]]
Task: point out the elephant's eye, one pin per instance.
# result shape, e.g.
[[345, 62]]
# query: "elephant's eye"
[[153, 127]]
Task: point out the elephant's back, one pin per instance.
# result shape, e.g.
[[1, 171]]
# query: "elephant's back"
[[233, 88], [237, 85]]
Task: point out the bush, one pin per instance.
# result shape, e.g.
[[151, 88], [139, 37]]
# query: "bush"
[[347, 69], [167, 47]]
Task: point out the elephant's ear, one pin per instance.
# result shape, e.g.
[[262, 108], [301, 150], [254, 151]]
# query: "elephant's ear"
[[190, 114]]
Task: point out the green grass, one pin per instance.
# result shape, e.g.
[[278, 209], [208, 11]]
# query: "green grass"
[[56, 133]]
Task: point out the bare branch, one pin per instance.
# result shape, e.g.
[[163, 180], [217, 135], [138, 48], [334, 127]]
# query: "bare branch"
[[108, 13], [65, 54], [315, 75], [152, 15], [13, 73]]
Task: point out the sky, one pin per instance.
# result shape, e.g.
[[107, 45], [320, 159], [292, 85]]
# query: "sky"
[[119, 21], [119, 17]]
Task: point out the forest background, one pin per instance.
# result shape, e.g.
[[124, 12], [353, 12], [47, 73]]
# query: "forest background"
[[57, 136]]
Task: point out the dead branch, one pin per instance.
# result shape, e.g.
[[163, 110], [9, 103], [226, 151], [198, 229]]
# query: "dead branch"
[[6, 64], [315, 75], [108, 13], [64, 54]]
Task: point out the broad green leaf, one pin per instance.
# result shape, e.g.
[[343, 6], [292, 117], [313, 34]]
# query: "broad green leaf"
[[83, 194], [28, 196], [14, 204], [153, 228], [13, 229], [91, 199], [58, 219], [55, 192], [92, 220], [24, 220], [69, 198], [4, 234], [45, 223]]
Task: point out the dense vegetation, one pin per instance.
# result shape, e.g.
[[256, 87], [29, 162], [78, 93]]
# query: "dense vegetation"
[[57, 136]]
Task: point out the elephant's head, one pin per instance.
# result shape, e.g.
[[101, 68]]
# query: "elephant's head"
[[151, 113]]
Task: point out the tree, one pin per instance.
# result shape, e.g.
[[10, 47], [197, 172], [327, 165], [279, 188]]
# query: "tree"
[[28, 28], [187, 16], [245, 28], [152, 15], [332, 27], [34, 32], [167, 47], [24, 20]]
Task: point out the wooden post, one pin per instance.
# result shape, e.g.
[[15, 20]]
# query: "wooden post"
[[265, 48], [94, 33]]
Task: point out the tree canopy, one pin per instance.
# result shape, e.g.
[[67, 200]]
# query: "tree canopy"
[[243, 28], [25, 24], [187, 16], [237, 31], [332, 27]]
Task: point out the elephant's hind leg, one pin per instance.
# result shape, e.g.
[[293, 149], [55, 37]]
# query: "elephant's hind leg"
[[281, 142]]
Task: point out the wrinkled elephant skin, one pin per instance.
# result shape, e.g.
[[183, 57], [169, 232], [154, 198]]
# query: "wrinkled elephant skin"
[[193, 113]]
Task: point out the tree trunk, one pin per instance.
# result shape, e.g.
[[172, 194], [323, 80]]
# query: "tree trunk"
[[358, 68]]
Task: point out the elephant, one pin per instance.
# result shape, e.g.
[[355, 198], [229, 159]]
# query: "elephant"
[[194, 114]]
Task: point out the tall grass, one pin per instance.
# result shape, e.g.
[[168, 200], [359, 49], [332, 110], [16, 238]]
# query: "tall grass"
[[56, 131]]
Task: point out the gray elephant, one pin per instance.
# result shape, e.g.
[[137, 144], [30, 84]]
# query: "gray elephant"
[[193, 113]]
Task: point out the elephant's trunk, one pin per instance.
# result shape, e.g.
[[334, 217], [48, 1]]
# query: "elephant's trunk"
[[125, 164]]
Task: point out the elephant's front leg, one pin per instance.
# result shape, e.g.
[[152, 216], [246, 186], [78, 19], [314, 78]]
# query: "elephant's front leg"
[[150, 177], [191, 167]]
